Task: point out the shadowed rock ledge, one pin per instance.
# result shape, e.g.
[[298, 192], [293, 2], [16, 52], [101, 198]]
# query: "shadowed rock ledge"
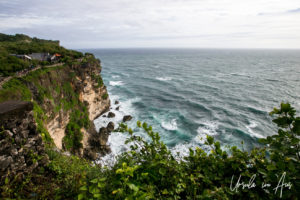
[[21, 147]]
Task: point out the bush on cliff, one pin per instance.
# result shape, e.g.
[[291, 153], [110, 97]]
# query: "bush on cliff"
[[74, 136]]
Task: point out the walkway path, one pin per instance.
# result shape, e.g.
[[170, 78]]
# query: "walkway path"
[[25, 72]]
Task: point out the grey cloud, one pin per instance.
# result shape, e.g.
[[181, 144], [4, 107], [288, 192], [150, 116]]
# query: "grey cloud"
[[89, 23], [294, 11]]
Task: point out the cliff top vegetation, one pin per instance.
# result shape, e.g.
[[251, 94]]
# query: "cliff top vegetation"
[[20, 44]]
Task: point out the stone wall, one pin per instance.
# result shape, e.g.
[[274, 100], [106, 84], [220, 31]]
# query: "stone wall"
[[21, 147]]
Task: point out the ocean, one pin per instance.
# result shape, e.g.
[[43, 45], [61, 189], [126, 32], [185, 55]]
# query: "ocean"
[[186, 94]]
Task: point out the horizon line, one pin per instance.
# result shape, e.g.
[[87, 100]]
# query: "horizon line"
[[211, 48]]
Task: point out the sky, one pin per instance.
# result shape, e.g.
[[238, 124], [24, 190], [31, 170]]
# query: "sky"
[[156, 23]]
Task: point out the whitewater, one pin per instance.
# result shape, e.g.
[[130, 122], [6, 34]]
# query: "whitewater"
[[186, 94]]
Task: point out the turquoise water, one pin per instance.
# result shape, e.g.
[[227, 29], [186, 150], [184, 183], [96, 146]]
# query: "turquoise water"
[[188, 93]]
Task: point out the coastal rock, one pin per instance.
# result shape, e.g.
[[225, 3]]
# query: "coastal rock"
[[127, 118], [117, 108], [5, 162], [89, 154], [117, 102], [98, 143], [19, 141], [111, 115], [110, 127], [102, 131]]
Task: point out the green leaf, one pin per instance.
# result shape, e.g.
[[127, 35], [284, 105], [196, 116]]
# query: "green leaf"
[[130, 131], [165, 191], [83, 188], [145, 126], [209, 139], [271, 167], [97, 195], [133, 187], [94, 180], [162, 171], [285, 107], [102, 179], [81, 196], [144, 174]]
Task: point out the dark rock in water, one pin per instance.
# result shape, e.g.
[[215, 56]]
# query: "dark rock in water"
[[111, 115], [90, 154], [110, 127], [104, 115], [127, 118], [98, 143], [117, 108], [117, 102], [102, 131], [104, 149]]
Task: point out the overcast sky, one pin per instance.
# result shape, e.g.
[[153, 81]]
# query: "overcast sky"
[[156, 23]]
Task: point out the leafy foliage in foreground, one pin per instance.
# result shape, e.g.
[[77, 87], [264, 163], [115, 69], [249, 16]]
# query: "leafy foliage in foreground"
[[150, 171]]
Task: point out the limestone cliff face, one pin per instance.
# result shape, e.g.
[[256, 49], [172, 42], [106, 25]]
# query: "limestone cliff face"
[[94, 97], [56, 127], [60, 91], [90, 93]]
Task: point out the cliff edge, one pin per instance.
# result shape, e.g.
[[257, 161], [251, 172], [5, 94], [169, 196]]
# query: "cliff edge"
[[65, 101]]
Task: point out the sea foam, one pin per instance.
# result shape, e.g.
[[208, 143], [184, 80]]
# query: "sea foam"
[[116, 83], [171, 126], [250, 128], [164, 78]]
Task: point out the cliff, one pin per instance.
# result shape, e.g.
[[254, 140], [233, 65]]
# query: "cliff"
[[66, 99]]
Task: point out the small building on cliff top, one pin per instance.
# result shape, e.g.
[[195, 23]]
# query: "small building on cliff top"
[[40, 56], [24, 57]]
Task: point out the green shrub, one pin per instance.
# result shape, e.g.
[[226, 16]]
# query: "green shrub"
[[105, 96], [150, 171], [73, 134], [14, 89], [98, 79]]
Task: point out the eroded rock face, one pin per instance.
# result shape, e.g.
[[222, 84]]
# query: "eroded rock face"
[[89, 89], [21, 147]]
